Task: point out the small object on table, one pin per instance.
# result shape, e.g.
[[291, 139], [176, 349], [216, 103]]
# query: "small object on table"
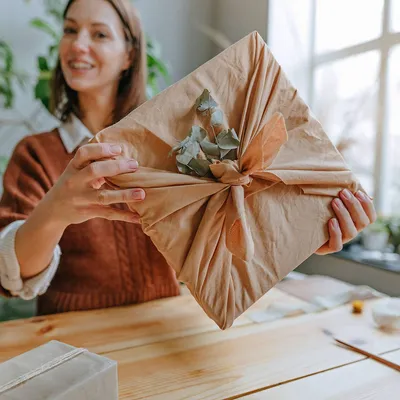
[[55, 371], [358, 306], [386, 313], [370, 355]]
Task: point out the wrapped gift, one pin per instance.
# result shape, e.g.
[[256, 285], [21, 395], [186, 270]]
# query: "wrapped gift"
[[58, 371], [244, 196]]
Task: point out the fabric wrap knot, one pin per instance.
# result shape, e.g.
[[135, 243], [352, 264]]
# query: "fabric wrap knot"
[[228, 172], [256, 158]]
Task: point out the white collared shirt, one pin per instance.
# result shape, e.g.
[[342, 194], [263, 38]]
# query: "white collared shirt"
[[72, 134]]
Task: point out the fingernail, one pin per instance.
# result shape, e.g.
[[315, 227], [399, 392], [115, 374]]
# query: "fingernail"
[[346, 193], [361, 196], [116, 149], [335, 223], [133, 164], [138, 194], [338, 203]]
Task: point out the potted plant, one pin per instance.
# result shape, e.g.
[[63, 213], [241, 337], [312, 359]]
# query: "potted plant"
[[376, 236], [394, 233]]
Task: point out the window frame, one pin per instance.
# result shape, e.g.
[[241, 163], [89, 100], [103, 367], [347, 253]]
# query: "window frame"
[[383, 44]]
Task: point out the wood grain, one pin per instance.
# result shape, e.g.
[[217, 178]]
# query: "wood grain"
[[366, 379], [219, 365], [119, 328]]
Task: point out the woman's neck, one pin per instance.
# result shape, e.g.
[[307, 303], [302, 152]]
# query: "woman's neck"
[[97, 109]]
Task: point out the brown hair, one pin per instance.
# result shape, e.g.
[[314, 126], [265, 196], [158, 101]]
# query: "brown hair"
[[132, 84]]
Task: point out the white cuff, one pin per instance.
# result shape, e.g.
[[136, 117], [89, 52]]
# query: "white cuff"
[[10, 275]]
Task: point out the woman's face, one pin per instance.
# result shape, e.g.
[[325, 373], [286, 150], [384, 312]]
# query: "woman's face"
[[93, 49]]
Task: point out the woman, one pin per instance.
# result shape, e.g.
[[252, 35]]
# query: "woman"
[[59, 224]]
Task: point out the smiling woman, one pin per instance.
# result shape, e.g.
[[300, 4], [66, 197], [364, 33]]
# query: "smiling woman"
[[63, 235], [93, 37]]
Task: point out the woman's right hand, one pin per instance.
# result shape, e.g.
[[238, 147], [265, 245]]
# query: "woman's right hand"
[[79, 194]]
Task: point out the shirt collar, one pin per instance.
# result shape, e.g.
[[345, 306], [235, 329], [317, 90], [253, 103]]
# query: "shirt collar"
[[73, 133]]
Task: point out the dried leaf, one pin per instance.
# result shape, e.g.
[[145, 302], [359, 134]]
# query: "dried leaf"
[[181, 145], [183, 158], [230, 155], [205, 101], [210, 149], [200, 167], [188, 153], [228, 140], [183, 169], [197, 133], [217, 118]]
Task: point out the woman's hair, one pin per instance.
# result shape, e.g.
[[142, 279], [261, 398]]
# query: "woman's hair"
[[132, 84]]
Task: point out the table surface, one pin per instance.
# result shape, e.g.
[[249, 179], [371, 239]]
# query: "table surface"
[[169, 349]]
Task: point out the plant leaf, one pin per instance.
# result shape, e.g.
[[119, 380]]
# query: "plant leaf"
[[228, 140], [197, 133], [230, 155], [200, 167], [205, 101], [189, 152], [45, 27], [217, 118], [42, 92], [184, 169], [43, 64], [210, 149]]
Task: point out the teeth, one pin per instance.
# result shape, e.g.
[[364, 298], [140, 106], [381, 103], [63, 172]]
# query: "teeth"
[[80, 65]]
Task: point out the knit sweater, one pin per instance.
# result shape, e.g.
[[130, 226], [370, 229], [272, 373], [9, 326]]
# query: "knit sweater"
[[103, 263]]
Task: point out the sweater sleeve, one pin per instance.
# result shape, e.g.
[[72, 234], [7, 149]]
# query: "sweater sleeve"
[[25, 183]]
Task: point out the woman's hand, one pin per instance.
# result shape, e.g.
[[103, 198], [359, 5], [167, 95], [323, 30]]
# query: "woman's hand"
[[353, 214], [79, 196]]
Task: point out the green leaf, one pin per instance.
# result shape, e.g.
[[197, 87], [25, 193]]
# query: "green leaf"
[[228, 140], [205, 102], [43, 64], [197, 133], [217, 118], [210, 149], [42, 92], [7, 54], [200, 167], [45, 27]]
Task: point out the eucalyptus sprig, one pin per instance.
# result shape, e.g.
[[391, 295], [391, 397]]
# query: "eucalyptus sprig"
[[198, 151]]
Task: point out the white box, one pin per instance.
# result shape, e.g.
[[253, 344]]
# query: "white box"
[[58, 371]]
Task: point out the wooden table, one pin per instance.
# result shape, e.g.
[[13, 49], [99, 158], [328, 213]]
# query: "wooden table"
[[169, 349]]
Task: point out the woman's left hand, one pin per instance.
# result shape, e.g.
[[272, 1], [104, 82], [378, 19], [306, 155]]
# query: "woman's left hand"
[[353, 214]]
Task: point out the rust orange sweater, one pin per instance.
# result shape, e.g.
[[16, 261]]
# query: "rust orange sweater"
[[103, 263]]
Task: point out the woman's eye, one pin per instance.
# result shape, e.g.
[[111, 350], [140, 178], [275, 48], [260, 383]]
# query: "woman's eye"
[[68, 30], [100, 35]]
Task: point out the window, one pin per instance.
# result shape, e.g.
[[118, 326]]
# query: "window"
[[344, 57]]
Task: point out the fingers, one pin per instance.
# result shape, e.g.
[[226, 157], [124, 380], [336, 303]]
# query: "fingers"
[[104, 169], [367, 205], [94, 152], [355, 209], [335, 242], [113, 214], [353, 212], [347, 227], [107, 197], [335, 236]]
